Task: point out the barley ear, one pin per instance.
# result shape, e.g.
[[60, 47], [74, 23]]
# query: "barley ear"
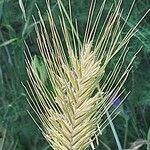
[[72, 111]]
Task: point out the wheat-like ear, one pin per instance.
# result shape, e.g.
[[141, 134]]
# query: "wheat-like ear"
[[72, 111]]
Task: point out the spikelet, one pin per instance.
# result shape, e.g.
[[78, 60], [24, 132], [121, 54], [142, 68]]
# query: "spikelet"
[[72, 112]]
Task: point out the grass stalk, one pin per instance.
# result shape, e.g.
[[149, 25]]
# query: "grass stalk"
[[114, 132]]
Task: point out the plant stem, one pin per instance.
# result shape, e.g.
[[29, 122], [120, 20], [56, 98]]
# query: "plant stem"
[[126, 133], [114, 131]]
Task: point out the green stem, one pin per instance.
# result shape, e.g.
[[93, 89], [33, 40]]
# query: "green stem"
[[126, 133], [114, 131]]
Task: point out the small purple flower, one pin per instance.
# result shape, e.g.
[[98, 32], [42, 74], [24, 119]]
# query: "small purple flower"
[[116, 102], [124, 112]]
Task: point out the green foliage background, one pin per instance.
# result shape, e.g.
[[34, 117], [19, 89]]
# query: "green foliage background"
[[17, 129]]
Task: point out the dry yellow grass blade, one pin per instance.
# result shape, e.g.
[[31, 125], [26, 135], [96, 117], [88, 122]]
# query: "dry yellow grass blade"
[[72, 112]]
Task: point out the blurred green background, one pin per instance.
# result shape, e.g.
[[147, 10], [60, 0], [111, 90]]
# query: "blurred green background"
[[17, 129]]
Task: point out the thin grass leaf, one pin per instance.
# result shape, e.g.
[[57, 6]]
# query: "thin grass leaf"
[[22, 9], [1, 8], [8, 42], [137, 144], [114, 132], [148, 140], [2, 140]]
